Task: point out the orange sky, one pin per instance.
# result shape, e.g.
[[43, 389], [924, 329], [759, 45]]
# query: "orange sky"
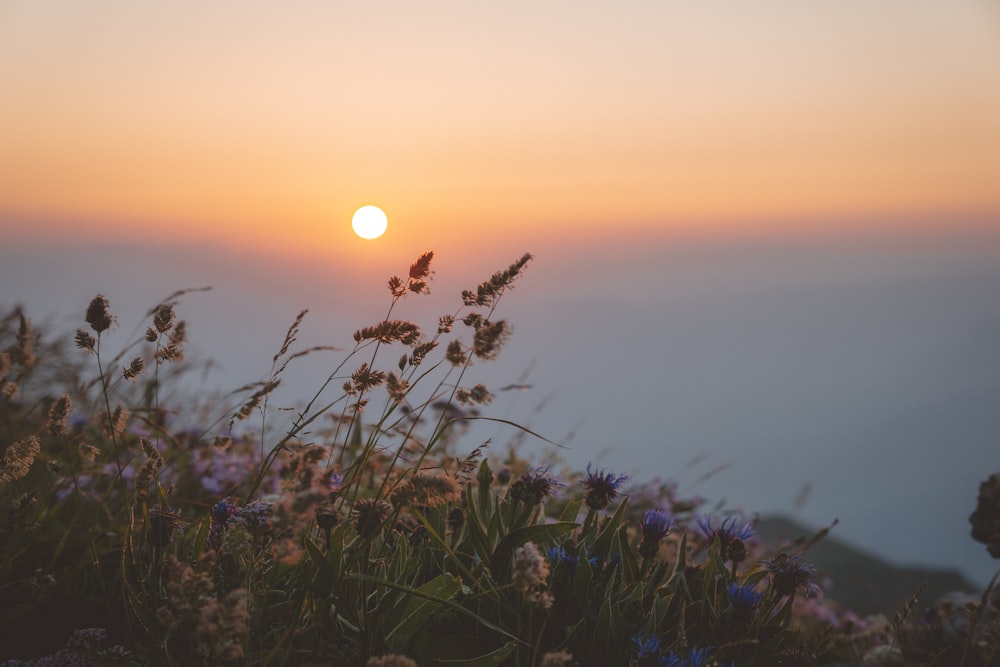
[[268, 124]]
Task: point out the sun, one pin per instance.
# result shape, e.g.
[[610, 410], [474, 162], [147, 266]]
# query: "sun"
[[369, 222]]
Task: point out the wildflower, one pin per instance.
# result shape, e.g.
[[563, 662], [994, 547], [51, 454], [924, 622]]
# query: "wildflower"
[[220, 514], [560, 555], [365, 378], [655, 526], [390, 331], [24, 351], [445, 322], [489, 338], [731, 545], [533, 487], [455, 354], [255, 516], [98, 316], [601, 487], [163, 317], [421, 268], [427, 491], [745, 600], [487, 293], [368, 515], [84, 340], [134, 369], [531, 572], [18, 458], [646, 647], [789, 574], [335, 483], [58, 414]]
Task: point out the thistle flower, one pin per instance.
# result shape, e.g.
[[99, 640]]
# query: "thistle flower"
[[731, 545], [601, 487], [789, 574], [655, 526], [368, 515], [98, 316], [533, 487]]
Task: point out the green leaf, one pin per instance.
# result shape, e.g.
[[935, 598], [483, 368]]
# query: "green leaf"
[[419, 609], [603, 543]]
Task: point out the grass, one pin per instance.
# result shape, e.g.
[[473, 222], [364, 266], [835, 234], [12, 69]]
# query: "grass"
[[365, 531]]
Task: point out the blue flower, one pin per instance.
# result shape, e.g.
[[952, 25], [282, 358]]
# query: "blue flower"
[[560, 555], [601, 487], [646, 647], [698, 657], [671, 660], [745, 600], [730, 538], [746, 595]]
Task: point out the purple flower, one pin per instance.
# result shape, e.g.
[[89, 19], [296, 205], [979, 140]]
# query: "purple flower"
[[655, 526], [533, 487], [601, 487], [731, 546], [789, 574]]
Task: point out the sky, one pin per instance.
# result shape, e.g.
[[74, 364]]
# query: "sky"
[[774, 226]]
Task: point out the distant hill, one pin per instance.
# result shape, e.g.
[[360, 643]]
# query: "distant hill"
[[861, 581]]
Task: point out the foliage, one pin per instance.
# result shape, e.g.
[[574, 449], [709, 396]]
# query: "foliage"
[[362, 534]]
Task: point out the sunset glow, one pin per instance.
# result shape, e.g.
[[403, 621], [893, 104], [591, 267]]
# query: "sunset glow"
[[258, 124]]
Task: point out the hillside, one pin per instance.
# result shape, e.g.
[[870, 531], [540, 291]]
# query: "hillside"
[[859, 580]]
